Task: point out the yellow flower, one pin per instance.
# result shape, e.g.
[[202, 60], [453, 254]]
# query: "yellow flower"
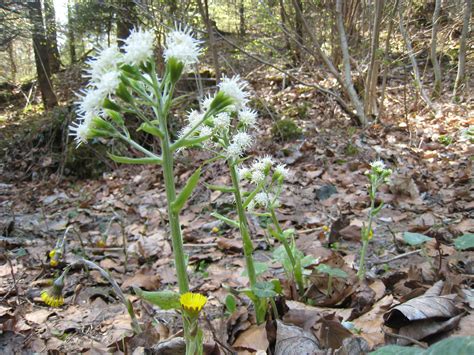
[[215, 230], [53, 296], [52, 300], [326, 228], [192, 302], [54, 257]]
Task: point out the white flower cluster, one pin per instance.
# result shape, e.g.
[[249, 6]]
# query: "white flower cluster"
[[261, 168], [181, 45], [104, 78]]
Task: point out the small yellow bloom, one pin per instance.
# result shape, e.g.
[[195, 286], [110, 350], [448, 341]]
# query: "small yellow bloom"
[[54, 257], [371, 234], [53, 296], [52, 253], [52, 300], [326, 228], [215, 230], [192, 302]]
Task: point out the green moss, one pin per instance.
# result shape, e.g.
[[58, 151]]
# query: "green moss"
[[286, 130]]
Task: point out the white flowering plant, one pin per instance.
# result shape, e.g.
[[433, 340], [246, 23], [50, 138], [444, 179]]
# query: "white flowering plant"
[[378, 175], [127, 83]]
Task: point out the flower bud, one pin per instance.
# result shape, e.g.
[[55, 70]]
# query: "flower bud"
[[175, 69], [108, 104], [220, 102], [124, 94]]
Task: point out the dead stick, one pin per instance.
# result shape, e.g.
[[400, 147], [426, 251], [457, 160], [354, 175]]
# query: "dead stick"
[[404, 337], [401, 256]]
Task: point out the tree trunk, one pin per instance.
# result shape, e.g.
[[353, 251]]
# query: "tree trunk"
[[70, 32], [242, 17], [347, 76], [433, 55], [41, 55], [51, 36], [283, 18], [411, 55], [370, 93], [127, 20], [298, 29], [11, 59], [461, 75], [204, 10]]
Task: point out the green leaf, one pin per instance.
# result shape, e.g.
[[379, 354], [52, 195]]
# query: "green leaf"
[[308, 260], [153, 130], [464, 242], [264, 289], [188, 142], [220, 188], [115, 116], [334, 272], [230, 303], [127, 160], [397, 350], [187, 190], [415, 238], [277, 286], [226, 220], [163, 299], [260, 268], [453, 345]]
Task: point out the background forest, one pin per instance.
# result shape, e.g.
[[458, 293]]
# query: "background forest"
[[337, 85]]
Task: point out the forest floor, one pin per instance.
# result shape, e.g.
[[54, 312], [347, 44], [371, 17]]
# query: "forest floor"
[[118, 220]]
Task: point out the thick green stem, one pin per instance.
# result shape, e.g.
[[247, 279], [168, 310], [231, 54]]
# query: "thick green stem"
[[366, 236], [243, 226], [297, 272]]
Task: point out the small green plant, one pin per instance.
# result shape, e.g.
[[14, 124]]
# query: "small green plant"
[[445, 140], [468, 134], [332, 273], [378, 175], [286, 130]]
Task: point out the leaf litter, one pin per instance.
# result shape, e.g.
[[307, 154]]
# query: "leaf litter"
[[119, 221]]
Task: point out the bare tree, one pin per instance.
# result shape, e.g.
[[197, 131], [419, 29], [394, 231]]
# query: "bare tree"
[[461, 75], [41, 55], [51, 36], [70, 31], [204, 10], [433, 47]]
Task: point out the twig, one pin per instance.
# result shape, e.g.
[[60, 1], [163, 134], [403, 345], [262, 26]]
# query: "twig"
[[404, 337], [12, 271], [216, 339], [401, 256]]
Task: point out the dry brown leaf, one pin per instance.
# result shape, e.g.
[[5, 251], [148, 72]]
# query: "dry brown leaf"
[[292, 340], [146, 279], [253, 339]]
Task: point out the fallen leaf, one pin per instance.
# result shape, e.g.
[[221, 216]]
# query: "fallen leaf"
[[253, 339], [292, 340]]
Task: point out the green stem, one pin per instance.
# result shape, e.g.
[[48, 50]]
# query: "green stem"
[[297, 272], [366, 237], [243, 226]]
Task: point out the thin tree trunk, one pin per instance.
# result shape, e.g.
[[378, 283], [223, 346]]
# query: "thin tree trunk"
[[127, 19], [41, 55], [347, 76], [370, 93], [411, 55], [283, 18], [242, 17], [51, 36], [385, 58], [434, 43], [298, 29], [204, 9], [461, 75], [70, 32], [11, 59]]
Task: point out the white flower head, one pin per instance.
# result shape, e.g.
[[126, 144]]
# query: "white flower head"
[[378, 166], [267, 161], [205, 131], [206, 102], [248, 117], [194, 117], [222, 120], [282, 171], [106, 60], [181, 45], [138, 46], [244, 173], [257, 176], [234, 151], [90, 102], [108, 83], [258, 165], [243, 139], [81, 130], [235, 88], [262, 199]]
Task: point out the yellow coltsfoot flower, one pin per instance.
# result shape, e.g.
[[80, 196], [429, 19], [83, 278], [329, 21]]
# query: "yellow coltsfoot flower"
[[192, 303], [53, 296]]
